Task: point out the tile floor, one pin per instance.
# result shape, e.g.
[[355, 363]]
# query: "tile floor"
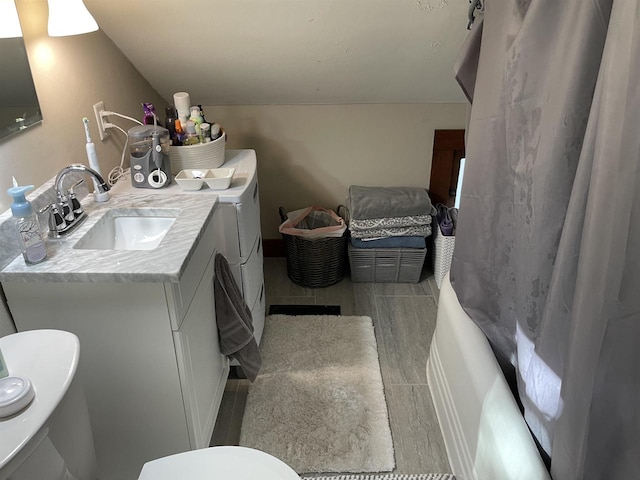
[[404, 317]]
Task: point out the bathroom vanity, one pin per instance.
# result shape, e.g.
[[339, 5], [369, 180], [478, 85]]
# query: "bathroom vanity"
[[149, 353], [237, 229]]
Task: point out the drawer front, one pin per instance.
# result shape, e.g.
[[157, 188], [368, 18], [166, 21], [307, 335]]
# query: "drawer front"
[[248, 219], [253, 274], [179, 295], [226, 232]]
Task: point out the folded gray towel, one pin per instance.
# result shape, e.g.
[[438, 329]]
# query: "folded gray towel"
[[390, 222], [235, 323], [390, 242], [375, 233], [365, 203]]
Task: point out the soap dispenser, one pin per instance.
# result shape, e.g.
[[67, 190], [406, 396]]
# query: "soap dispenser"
[[27, 226]]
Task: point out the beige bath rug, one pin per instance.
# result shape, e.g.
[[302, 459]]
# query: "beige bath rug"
[[318, 403]]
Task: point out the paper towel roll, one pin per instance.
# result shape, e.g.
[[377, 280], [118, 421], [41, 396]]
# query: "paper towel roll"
[[182, 102]]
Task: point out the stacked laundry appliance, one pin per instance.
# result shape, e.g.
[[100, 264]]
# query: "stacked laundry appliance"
[[389, 227]]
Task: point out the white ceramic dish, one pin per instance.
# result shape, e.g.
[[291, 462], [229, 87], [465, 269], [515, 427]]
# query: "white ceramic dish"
[[220, 178], [192, 179]]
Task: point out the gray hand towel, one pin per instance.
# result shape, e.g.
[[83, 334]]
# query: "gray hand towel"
[[365, 203], [235, 323]]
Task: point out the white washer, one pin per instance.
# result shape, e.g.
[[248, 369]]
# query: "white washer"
[[238, 463]]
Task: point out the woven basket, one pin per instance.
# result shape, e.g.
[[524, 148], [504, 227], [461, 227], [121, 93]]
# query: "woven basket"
[[201, 156], [443, 246], [315, 263]]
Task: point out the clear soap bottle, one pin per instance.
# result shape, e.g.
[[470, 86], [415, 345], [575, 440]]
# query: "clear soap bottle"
[[30, 236], [192, 137]]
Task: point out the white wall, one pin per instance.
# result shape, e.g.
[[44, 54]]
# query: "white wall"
[[310, 154], [70, 75]]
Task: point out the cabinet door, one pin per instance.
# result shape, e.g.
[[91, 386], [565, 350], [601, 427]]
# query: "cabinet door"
[[203, 369]]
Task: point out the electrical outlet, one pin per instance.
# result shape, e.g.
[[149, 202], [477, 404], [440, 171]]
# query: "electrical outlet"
[[100, 120]]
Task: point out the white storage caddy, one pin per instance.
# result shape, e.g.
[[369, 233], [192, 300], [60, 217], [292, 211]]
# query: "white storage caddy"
[[201, 156]]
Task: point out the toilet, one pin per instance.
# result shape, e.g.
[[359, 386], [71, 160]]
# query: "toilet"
[[50, 437]]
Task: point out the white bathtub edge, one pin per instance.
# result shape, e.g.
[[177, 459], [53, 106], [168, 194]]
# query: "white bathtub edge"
[[485, 435], [457, 451]]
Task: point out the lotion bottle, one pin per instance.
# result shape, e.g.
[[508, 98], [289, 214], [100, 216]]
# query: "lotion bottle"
[[27, 227]]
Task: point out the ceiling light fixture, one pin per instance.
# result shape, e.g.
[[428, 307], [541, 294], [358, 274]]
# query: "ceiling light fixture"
[[9, 22], [69, 17]]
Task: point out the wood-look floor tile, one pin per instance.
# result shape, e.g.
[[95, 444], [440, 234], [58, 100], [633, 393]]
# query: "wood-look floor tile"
[[417, 439], [421, 288], [279, 284], [405, 325], [225, 415], [353, 298], [238, 412]]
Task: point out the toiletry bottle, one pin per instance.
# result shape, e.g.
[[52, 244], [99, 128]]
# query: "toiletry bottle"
[[192, 137], [205, 133], [180, 135], [196, 118], [150, 115], [216, 131], [27, 227], [204, 120], [170, 122]]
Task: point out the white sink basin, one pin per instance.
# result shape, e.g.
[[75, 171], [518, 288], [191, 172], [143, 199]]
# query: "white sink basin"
[[128, 230]]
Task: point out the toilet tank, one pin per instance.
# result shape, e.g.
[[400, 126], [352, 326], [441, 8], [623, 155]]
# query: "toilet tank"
[[51, 438]]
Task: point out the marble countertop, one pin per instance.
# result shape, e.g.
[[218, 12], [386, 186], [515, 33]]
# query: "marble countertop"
[[165, 263]]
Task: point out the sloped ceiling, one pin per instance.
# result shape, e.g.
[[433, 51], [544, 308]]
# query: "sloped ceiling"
[[248, 52]]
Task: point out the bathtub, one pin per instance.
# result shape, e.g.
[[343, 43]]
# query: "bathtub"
[[484, 433]]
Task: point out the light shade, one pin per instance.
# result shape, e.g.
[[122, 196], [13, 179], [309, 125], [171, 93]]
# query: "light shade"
[[69, 17], [9, 22]]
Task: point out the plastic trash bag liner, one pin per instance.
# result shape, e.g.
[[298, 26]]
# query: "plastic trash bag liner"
[[313, 222]]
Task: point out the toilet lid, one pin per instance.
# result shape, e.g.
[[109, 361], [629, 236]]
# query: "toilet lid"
[[238, 463]]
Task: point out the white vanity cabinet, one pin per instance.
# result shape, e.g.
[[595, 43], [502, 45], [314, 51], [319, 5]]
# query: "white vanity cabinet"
[[150, 359]]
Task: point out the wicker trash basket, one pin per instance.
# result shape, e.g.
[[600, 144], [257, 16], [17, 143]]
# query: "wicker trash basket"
[[317, 262]]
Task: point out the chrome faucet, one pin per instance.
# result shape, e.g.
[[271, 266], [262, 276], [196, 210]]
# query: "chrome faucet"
[[66, 213], [100, 185]]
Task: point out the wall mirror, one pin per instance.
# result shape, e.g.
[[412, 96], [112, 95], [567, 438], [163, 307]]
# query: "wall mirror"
[[19, 108]]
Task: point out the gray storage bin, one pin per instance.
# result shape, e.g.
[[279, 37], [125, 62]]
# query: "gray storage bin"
[[386, 265]]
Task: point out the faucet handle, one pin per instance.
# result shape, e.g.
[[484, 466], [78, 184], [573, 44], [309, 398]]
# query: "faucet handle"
[[65, 207], [56, 221], [76, 206]]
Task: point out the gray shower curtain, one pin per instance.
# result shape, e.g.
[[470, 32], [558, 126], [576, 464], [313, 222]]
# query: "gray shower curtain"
[[547, 256]]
